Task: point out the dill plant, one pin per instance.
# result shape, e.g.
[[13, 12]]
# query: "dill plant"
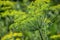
[[31, 19]]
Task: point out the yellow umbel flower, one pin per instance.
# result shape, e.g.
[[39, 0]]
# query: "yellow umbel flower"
[[47, 0], [7, 36], [17, 34], [18, 39], [55, 36], [43, 0], [11, 35]]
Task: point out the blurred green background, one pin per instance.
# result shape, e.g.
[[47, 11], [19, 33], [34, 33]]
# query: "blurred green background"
[[29, 19]]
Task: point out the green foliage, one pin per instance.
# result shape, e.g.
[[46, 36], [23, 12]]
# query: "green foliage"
[[34, 19]]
